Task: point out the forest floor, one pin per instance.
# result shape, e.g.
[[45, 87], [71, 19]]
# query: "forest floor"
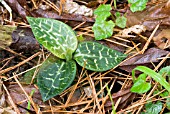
[[145, 40]]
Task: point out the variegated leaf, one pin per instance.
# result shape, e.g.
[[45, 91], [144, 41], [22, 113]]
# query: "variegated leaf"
[[97, 57], [54, 76], [55, 36]]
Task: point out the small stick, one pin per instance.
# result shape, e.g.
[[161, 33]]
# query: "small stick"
[[19, 64], [10, 100], [150, 38]]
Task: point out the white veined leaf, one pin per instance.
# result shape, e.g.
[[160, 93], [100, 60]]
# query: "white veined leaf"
[[55, 36], [54, 76], [97, 57]]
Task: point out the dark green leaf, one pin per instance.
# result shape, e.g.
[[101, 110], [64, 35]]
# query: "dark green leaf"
[[153, 108], [103, 30], [140, 86], [54, 35], [102, 12], [137, 5], [97, 57], [54, 76]]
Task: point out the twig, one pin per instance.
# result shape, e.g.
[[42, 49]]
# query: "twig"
[[11, 101], [19, 64], [150, 38], [28, 97]]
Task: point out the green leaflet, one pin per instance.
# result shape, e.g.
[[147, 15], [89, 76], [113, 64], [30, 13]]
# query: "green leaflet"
[[97, 57], [120, 20], [165, 71], [103, 30], [55, 76], [102, 12], [140, 84], [137, 5], [55, 36]]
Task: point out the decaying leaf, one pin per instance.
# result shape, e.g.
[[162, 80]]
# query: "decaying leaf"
[[74, 8], [137, 29], [5, 107], [151, 55], [76, 96], [153, 15], [162, 40], [24, 41], [18, 96]]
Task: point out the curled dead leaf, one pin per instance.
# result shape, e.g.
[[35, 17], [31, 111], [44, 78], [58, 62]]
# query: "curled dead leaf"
[[18, 96], [146, 59], [137, 29], [162, 40], [74, 8]]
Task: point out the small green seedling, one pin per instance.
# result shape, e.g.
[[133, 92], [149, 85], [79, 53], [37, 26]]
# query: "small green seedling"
[[103, 28], [110, 96], [140, 84], [57, 73]]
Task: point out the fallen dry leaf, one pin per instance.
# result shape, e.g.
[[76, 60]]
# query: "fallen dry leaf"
[[74, 8], [24, 41], [137, 29], [162, 40], [20, 98], [88, 91], [63, 16], [153, 15], [18, 8], [151, 55]]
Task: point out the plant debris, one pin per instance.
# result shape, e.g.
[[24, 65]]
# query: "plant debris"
[[144, 43]]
